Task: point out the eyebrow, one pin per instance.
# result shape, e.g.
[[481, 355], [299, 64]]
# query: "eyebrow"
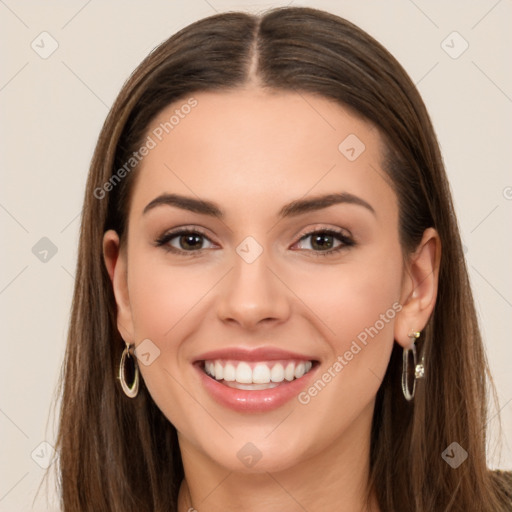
[[293, 209]]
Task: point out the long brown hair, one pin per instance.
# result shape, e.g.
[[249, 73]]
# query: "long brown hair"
[[121, 454]]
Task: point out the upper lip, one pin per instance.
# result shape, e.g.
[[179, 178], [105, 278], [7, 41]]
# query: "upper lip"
[[255, 354]]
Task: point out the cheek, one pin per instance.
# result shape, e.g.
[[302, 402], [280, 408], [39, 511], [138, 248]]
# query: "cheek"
[[164, 301], [356, 304], [162, 296], [353, 297], [357, 308]]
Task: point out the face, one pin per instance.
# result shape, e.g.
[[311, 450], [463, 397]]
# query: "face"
[[263, 283]]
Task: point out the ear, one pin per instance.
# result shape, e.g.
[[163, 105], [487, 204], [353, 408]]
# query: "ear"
[[115, 261], [419, 287]]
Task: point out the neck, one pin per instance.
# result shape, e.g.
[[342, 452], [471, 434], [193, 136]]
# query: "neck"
[[332, 480]]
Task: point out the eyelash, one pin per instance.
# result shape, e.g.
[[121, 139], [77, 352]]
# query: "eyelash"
[[345, 240]]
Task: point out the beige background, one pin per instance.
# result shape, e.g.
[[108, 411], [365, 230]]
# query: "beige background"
[[52, 110]]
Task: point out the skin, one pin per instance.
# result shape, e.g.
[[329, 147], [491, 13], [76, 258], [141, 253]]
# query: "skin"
[[252, 151]]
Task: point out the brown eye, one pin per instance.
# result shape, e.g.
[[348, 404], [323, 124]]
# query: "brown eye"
[[322, 241], [191, 241], [327, 241], [183, 241]]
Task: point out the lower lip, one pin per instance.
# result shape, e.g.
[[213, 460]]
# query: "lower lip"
[[261, 400]]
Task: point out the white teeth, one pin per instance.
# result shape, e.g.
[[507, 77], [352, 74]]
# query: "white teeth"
[[251, 387], [277, 373], [299, 370], [260, 373], [243, 374], [229, 372], [289, 372], [218, 370]]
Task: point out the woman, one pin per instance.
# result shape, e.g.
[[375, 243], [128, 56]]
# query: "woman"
[[252, 374]]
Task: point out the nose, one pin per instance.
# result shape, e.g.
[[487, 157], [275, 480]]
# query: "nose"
[[253, 294]]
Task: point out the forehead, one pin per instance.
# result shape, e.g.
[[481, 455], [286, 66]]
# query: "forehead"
[[250, 148]]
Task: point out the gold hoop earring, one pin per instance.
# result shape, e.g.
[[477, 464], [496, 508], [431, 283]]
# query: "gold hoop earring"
[[130, 390], [419, 369]]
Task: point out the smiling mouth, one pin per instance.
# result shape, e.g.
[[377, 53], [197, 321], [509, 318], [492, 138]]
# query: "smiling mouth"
[[256, 375]]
